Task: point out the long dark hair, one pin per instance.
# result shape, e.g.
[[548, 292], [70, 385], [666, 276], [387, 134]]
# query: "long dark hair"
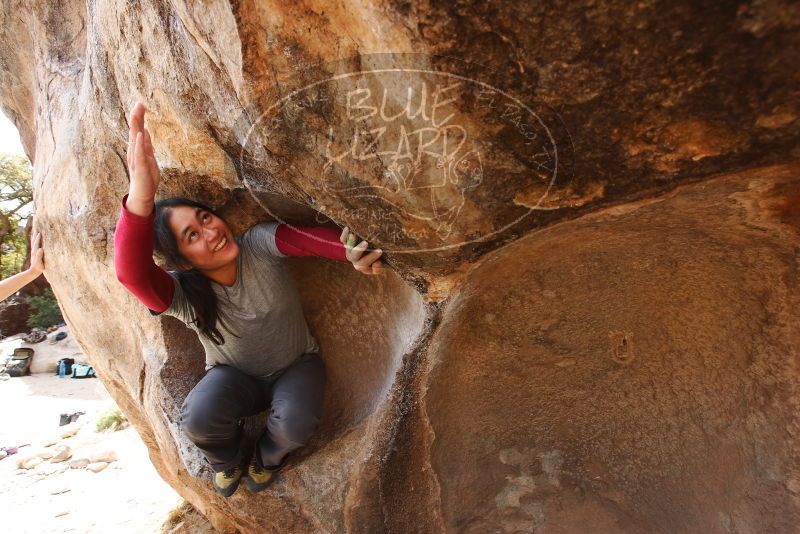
[[195, 285]]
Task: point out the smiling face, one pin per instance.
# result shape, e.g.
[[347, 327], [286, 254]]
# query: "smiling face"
[[204, 240]]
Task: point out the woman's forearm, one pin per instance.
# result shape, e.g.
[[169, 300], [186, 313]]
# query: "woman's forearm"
[[310, 241], [133, 260], [12, 284]]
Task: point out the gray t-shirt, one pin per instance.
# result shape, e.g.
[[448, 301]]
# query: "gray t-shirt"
[[262, 308]]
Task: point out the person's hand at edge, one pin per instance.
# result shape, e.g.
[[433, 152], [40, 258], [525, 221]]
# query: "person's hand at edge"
[[37, 254], [12, 284]]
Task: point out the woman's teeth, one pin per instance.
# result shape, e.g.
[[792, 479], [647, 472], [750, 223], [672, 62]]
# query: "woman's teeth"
[[221, 244]]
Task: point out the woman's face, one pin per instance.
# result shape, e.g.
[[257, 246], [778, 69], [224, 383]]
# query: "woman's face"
[[204, 240]]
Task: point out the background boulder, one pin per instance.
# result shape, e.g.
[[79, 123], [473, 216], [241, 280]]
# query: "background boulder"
[[14, 313]]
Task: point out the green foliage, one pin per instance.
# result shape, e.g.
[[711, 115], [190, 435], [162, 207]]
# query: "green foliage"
[[15, 179], [108, 419], [13, 250], [16, 194], [47, 311]]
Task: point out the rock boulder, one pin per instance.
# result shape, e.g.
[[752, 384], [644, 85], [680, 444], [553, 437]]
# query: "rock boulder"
[[590, 222], [14, 313]]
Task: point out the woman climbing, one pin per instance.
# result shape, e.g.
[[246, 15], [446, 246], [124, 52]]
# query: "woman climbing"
[[238, 296]]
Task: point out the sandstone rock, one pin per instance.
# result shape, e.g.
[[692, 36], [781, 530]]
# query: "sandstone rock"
[[29, 462], [588, 321], [69, 430], [64, 452], [697, 291], [79, 463], [41, 452], [104, 456], [96, 467]]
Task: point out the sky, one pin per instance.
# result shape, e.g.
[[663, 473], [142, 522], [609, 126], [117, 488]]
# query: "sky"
[[9, 137]]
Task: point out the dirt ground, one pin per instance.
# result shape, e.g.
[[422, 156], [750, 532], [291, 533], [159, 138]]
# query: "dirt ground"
[[128, 496]]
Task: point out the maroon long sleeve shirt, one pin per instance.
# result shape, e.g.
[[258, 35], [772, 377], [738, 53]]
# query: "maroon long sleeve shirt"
[[154, 287]]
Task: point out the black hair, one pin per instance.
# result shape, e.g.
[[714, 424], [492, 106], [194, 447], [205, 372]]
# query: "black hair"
[[195, 285]]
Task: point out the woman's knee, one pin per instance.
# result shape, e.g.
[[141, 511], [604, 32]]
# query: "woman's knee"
[[195, 419], [203, 416], [292, 422]]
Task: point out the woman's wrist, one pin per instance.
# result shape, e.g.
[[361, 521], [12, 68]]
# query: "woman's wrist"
[[138, 206], [32, 274]]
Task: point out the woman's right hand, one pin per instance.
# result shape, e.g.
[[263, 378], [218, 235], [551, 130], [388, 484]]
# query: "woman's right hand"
[[142, 166]]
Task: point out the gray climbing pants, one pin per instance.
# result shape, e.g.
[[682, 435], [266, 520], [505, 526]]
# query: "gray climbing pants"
[[212, 411]]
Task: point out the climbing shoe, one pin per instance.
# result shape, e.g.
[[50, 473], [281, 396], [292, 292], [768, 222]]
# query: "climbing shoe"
[[259, 477], [226, 482]]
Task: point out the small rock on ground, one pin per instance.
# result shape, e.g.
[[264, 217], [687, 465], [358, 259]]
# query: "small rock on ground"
[[105, 456], [64, 452], [29, 462], [69, 431], [79, 463], [96, 467]]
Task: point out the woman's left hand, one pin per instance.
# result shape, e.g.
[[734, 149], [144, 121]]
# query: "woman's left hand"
[[367, 264]]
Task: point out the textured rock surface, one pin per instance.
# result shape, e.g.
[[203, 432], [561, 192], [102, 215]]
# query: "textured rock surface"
[[642, 368], [591, 320]]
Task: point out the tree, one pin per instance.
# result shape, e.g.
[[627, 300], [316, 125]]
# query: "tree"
[[16, 194]]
